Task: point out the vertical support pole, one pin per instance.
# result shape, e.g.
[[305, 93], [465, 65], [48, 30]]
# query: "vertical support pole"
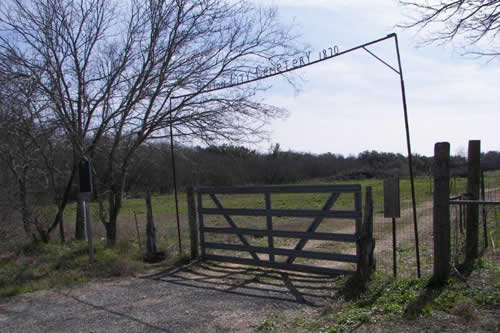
[[80, 220], [193, 228], [366, 243], [472, 223], [358, 207], [367, 228], [200, 219], [441, 212], [269, 221], [150, 227], [85, 187], [484, 212], [410, 163], [394, 260], [88, 220], [174, 175]]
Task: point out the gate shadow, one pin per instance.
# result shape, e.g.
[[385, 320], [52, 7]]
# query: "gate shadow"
[[302, 288]]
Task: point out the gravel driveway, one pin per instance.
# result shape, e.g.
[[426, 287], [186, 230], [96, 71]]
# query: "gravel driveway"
[[205, 297]]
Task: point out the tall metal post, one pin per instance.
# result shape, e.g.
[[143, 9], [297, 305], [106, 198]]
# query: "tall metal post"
[[175, 181], [85, 188], [410, 164]]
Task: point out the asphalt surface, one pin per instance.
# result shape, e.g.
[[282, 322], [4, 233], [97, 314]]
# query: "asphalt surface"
[[200, 298]]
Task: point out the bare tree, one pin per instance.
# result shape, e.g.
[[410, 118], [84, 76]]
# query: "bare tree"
[[31, 149], [111, 70], [474, 23]]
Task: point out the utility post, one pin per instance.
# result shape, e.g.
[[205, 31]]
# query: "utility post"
[[85, 185]]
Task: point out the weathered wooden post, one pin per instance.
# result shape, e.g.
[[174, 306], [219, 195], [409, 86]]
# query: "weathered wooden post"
[[193, 227], [366, 243], [150, 228], [473, 181], [441, 212]]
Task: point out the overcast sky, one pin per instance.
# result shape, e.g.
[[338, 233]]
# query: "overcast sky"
[[353, 102]]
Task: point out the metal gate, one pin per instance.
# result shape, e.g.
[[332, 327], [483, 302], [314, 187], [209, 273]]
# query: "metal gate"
[[270, 251]]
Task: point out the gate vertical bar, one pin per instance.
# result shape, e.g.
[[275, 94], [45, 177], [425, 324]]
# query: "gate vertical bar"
[[200, 221], [269, 221], [193, 228], [410, 164], [358, 206]]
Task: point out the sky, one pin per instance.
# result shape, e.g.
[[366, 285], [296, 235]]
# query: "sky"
[[352, 103]]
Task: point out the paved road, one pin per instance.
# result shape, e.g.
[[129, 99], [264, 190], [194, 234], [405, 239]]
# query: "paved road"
[[201, 298]]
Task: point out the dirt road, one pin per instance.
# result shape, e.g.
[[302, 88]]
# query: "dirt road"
[[201, 298]]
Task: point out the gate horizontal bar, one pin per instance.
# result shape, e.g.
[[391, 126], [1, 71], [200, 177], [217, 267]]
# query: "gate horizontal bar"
[[282, 189], [474, 202], [340, 214], [279, 265], [280, 233], [284, 252]]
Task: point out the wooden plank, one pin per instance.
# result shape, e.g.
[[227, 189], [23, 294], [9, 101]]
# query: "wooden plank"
[[315, 224], [232, 224], [269, 222], [339, 214], [282, 189], [348, 238], [278, 265], [284, 252]]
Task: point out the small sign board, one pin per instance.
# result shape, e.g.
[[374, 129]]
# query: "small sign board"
[[392, 207], [85, 176]]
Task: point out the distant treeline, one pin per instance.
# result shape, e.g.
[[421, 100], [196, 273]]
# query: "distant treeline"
[[236, 165], [34, 178]]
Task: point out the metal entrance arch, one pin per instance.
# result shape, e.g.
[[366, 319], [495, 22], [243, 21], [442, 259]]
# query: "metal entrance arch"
[[335, 54]]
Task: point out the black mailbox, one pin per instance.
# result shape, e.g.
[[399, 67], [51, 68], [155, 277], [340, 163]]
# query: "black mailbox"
[[85, 173]]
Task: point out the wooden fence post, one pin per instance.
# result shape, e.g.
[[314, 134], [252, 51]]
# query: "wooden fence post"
[[150, 228], [441, 212], [366, 243], [473, 181], [193, 227]]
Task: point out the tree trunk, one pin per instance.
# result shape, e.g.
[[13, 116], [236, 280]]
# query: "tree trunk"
[[27, 215], [61, 229], [110, 232]]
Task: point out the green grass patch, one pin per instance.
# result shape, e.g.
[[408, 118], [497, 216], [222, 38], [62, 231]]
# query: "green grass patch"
[[404, 300], [38, 266]]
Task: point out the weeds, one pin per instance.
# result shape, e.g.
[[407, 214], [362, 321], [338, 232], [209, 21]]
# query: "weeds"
[[387, 301], [38, 266]]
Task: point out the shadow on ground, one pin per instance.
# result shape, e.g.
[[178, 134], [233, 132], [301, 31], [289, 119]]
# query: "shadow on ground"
[[301, 288]]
